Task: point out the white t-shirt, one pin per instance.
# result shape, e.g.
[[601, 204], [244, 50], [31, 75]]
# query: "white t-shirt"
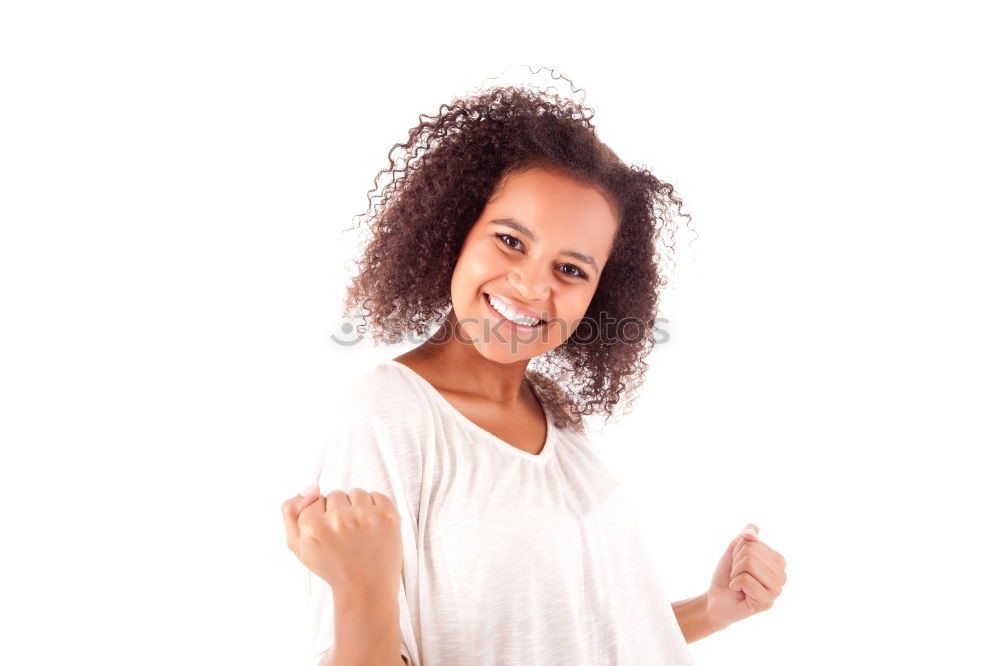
[[508, 557]]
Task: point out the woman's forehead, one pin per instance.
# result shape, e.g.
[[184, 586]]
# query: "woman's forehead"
[[541, 196]]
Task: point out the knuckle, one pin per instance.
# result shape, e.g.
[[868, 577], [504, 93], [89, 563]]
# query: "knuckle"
[[345, 522]]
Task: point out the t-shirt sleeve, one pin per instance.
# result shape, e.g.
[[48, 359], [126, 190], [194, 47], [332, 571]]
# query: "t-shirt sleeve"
[[376, 448]]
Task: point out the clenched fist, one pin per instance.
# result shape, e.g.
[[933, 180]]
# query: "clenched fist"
[[351, 540], [747, 580]]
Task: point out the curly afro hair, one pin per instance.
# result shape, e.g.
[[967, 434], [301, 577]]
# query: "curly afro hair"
[[439, 184]]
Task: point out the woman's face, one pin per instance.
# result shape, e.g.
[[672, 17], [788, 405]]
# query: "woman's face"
[[538, 249]]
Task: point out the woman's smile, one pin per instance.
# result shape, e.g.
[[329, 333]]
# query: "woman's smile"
[[508, 316]]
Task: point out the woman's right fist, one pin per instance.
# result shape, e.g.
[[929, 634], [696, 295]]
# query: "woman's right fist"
[[351, 540]]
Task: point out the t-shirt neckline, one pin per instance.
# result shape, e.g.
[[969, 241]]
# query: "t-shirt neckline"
[[540, 457]]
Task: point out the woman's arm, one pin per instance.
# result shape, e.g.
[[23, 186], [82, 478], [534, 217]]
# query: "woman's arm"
[[367, 634], [693, 619]]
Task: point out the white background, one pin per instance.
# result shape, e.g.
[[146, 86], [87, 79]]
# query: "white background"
[[175, 179]]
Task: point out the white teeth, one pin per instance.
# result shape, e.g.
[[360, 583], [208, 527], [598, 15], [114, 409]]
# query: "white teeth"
[[510, 314]]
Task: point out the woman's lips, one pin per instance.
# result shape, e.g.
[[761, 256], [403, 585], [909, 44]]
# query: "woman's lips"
[[486, 298], [521, 310]]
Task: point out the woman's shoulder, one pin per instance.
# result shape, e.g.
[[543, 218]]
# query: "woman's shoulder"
[[383, 390], [377, 377], [381, 417]]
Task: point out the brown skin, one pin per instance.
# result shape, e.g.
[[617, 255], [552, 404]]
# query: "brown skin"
[[479, 367]]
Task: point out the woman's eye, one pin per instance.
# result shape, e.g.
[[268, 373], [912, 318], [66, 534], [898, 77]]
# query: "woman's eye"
[[505, 237], [514, 244]]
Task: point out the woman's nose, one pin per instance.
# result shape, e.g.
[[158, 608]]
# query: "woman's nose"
[[531, 282]]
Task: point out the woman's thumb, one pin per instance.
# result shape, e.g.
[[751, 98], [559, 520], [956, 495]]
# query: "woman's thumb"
[[290, 511]]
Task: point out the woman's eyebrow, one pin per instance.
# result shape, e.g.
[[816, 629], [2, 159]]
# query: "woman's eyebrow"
[[517, 226]]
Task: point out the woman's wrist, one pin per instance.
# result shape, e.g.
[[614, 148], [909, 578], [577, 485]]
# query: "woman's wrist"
[[694, 619]]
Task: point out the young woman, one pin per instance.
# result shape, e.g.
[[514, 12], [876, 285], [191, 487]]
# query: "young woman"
[[461, 516]]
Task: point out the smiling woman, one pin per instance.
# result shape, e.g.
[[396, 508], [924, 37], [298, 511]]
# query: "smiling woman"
[[492, 532]]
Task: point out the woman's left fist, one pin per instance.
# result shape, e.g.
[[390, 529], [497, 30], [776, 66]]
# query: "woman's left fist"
[[748, 579]]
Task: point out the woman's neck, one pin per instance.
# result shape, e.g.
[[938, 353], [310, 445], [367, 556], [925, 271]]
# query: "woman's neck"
[[458, 366]]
